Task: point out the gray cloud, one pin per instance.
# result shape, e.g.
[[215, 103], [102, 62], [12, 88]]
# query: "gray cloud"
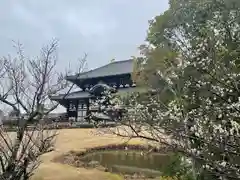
[[104, 29]]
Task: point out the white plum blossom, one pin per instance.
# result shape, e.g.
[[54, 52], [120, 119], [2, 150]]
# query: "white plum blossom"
[[202, 116]]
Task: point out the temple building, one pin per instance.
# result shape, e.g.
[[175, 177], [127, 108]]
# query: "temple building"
[[115, 75]]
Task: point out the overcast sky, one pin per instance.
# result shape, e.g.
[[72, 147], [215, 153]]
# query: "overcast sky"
[[104, 29]]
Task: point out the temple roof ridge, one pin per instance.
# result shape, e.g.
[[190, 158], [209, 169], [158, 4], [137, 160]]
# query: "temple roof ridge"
[[110, 69]]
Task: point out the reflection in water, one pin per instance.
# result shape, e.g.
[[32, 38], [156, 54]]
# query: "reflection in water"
[[154, 161]]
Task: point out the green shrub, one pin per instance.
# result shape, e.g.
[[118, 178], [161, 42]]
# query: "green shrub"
[[179, 167]]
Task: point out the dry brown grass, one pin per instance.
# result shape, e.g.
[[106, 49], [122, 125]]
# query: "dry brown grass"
[[75, 139]]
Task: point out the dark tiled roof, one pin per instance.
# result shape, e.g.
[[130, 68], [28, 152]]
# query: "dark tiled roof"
[[113, 68], [73, 95], [84, 94]]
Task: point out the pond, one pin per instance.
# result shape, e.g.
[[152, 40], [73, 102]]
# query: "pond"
[[129, 161]]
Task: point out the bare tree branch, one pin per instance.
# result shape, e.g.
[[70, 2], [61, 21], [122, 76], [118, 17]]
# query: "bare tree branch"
[[26, 86]]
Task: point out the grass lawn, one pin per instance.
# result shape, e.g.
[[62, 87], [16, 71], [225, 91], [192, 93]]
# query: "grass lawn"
[[75, 139]]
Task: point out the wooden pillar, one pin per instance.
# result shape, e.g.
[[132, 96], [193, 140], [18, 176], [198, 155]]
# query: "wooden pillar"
[[69, 112], [88, 106], [68, 104], [76, 113], [82, 110]]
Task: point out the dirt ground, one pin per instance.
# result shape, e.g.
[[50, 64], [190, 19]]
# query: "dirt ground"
[[75, 139]]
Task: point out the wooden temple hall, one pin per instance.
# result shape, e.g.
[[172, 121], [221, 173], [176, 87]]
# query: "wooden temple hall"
[[116, 74]]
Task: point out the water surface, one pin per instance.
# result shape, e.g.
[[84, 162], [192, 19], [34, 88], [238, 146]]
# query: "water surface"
[[131, 159]]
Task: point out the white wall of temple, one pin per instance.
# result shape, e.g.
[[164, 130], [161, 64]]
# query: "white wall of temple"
[[82, 112]]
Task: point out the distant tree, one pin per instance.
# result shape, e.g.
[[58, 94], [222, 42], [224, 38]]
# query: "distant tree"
[[13, 113], [2, 117]]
